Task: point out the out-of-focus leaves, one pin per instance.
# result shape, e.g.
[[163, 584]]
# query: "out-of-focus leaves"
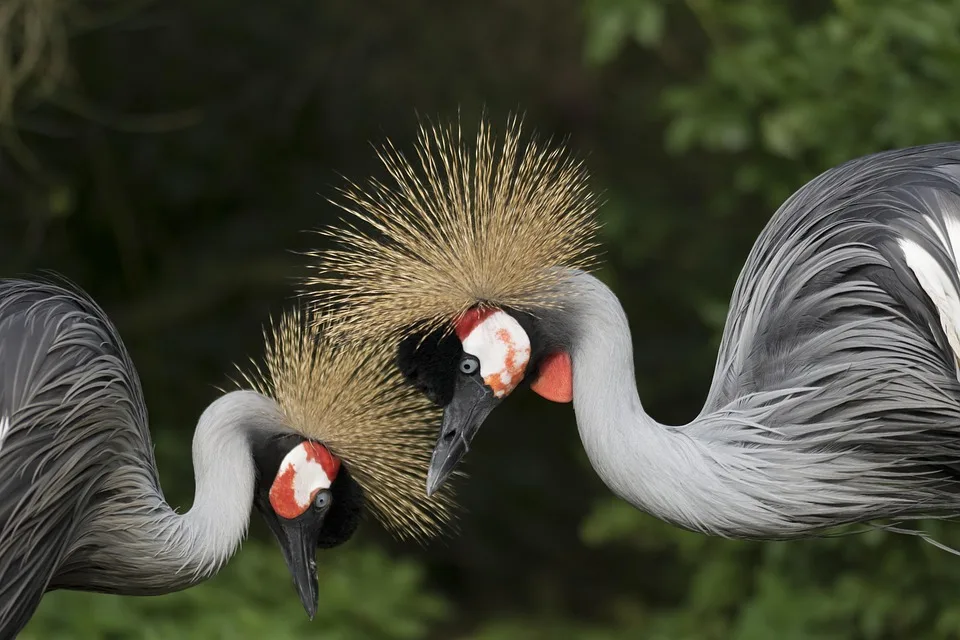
[[363, 594], [856, 78], [613, 23], [62, 201]]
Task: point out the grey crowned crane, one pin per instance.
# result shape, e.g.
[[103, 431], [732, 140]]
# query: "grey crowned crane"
[[835, 398], [320, 434]]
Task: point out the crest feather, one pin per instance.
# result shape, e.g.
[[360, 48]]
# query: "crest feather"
[[350, 398], [465, 225]]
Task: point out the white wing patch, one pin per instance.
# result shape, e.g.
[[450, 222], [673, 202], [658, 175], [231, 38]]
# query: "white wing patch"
[[4, 428], [937, 284], [952, 222]]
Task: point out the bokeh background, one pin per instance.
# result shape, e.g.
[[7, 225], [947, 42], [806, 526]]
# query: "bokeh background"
[[169, 156]]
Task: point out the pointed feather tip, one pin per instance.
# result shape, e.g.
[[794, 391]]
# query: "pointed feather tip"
[[350, 397], [498, 221]]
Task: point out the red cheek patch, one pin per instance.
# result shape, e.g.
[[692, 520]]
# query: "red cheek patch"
[[307, 469], [555, 381], [318, 453], [282, 496]]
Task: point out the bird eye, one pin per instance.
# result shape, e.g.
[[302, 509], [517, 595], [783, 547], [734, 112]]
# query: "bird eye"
[[323, 500], [469, 365]]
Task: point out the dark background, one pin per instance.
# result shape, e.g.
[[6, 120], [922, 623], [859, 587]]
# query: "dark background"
[[168, 157]]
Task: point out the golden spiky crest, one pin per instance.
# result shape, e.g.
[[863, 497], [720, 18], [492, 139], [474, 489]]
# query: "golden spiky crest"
[[483, 225], [350, 398]]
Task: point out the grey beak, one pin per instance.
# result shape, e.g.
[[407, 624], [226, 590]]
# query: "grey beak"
[[298, 541], [472, 403]]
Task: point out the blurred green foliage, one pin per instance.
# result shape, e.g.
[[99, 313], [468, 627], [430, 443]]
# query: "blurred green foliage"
[[195, 140], [817, 83], [364, 594]]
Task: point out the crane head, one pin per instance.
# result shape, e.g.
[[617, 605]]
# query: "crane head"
[[463, 225], [470, 372], [350, 437], [308, 501]]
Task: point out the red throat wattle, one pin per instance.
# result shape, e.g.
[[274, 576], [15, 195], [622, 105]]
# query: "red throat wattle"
[[555, 380]]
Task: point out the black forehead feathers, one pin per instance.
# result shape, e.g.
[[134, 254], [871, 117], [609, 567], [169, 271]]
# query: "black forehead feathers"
[[269, 450], [428, 360]]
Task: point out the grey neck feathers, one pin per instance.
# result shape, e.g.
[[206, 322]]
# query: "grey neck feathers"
[[224, 474], [778, 463], [136, 544], [665, 471]]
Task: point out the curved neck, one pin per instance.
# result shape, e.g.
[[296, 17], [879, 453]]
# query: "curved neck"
[[225, 475], [660, 469], [135, 544]]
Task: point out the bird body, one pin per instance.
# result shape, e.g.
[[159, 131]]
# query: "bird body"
[[80, 501], [835, 398]]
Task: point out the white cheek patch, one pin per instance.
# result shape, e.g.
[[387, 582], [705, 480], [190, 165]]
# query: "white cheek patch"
[[306, 470], [503, 349]]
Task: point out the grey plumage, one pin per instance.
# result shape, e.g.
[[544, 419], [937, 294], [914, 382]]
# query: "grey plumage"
[[80, 502], [57, 353], [835, 398], [836, 376]]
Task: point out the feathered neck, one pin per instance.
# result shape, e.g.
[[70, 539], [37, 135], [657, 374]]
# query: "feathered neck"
[[136, 544], [726, 473], [225, 475], [669, 472]]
